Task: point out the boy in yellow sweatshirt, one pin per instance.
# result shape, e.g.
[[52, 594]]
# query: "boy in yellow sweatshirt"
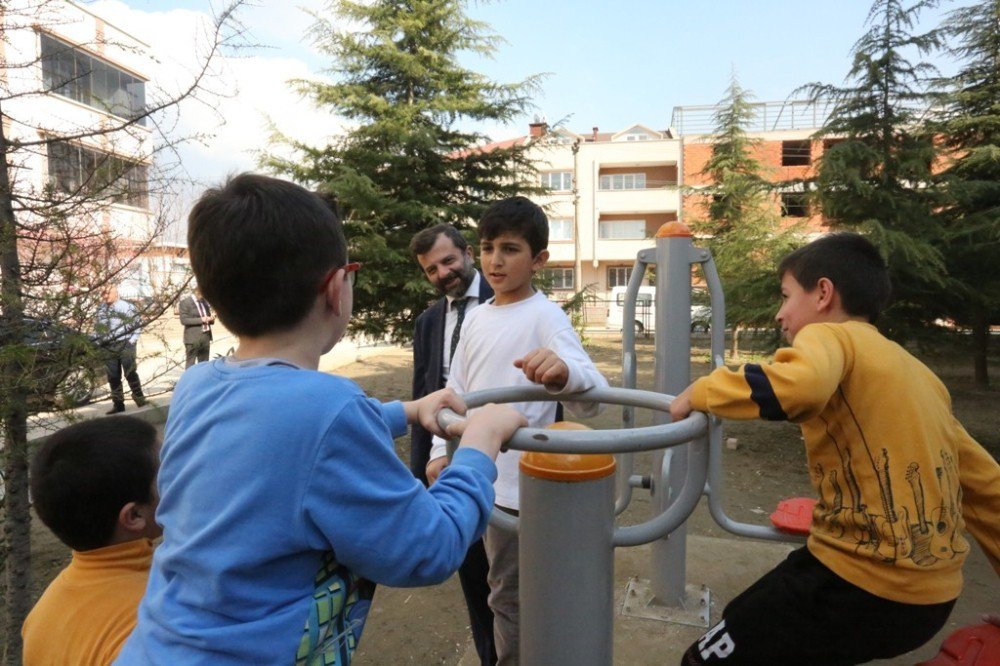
[[898, 478]]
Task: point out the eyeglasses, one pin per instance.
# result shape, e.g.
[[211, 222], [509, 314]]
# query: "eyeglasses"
[[349, 269]]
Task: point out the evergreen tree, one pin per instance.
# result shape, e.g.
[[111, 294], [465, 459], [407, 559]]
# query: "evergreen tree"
[[408, 162], [969, 129], [743, 228], [874, 174]]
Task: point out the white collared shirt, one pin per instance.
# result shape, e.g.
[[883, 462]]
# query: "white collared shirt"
[[451, 318]]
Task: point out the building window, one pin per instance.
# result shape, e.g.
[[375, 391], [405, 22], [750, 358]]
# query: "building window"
[[623, 181], [794, 204], [635, 134], [76, 170], [622, 229], [560, 278], [618, 276], [72, 73], [796, 153], [560, 228], [558, 181]]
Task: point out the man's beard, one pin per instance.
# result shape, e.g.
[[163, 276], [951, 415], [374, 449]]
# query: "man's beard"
[[460, 281]]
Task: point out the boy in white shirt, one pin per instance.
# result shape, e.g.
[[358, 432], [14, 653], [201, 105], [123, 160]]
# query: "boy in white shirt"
[[516, 339]]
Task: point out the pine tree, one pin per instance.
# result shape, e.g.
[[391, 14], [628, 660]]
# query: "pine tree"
[[969, 129], [743, 229], [873, 177], [408, 162]]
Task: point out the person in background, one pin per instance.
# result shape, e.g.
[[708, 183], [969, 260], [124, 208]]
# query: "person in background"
[[118, 329], [197, 319], [94, 485], [446, 260]]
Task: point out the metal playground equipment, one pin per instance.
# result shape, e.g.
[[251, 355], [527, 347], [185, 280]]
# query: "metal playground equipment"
[[572, 488]]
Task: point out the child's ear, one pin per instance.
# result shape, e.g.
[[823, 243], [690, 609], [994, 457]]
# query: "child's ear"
[[334, 291], [538, 263], [826, 294], [134, 518]]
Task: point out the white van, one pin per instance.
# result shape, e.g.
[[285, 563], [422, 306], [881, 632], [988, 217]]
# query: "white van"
[[645, 311]]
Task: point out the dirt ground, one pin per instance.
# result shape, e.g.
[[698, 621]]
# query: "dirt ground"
[[430, 625]]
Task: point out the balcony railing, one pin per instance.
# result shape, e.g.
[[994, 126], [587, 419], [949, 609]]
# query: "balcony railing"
[[650, 185], [767, 117]]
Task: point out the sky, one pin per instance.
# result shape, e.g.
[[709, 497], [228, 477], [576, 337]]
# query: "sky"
[[606, 65]]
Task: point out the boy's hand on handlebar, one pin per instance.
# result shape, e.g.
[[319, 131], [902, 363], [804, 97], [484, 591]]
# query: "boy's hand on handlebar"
[[680, 408], [543, 366], [424, 411], [488, 428]]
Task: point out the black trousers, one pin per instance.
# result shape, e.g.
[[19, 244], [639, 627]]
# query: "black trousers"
[[472, 576], [197, 351], [802, 613], [121, 361]]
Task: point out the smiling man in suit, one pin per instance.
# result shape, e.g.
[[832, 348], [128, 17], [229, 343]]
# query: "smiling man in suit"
[[446, 260]]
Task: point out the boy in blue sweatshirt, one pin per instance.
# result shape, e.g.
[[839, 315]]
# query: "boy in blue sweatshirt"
[[271, 471]]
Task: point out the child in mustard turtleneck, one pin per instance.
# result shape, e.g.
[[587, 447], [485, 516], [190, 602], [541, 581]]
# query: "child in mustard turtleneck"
[[94, 485]]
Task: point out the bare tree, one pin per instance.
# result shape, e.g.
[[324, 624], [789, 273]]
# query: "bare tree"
[[89, 169]]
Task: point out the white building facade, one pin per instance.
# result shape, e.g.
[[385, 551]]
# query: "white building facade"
[[608, 195], [74, 94]]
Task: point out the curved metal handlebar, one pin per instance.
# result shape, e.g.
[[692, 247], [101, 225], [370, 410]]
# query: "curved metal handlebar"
[[589, 441]]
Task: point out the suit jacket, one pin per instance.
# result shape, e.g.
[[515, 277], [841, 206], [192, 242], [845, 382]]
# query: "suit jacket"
[[428, 356], [191, 320]]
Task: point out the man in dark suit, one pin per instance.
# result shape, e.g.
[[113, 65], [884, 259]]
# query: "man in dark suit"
[[446, 259], [197, 318]]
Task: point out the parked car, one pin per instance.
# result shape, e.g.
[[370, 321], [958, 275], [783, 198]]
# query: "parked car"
[[645, 311], [64, 367]]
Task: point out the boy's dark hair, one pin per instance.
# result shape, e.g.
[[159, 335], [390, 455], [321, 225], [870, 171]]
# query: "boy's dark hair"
[[516, 215], [83, 475], [851, 263], [424, 240], [260, 248]]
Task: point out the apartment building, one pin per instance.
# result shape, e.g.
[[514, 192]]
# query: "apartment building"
[[73, 87], [785, 149], [608, 193]]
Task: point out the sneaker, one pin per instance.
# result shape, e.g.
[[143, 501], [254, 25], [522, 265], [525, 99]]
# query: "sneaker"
[[141, 401], [118, 408]]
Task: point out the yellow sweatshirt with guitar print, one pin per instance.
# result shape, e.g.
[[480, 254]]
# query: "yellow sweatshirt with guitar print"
[[897, 476]]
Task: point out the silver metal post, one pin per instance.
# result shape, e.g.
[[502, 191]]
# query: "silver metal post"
[[672, 375], [566, 529]]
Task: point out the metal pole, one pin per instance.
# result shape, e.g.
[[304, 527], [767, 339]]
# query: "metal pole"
[[566, 531], [672, 375]]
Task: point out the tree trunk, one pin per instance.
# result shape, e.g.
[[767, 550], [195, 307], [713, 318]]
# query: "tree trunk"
[[13, 426], [735, 351], [980, 349], [17, 528]]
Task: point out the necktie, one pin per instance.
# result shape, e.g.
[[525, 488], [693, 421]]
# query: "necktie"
[[459, 306], [203, 311]]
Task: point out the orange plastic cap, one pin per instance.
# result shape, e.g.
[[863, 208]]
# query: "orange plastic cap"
[[673, 229], [567, 467]]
